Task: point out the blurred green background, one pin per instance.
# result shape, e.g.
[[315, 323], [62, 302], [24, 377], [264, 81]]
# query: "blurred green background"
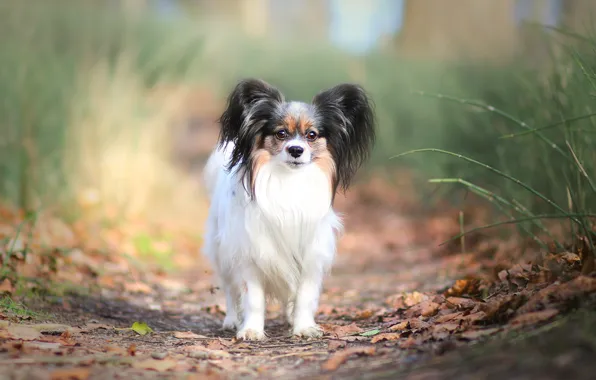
[[110, 106]]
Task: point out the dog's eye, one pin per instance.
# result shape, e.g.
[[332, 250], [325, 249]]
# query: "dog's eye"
[[282, 134], [312, 136]]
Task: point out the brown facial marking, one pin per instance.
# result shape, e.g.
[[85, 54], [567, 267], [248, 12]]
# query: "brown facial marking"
[[259, 158], [298, 124], [290, 124]]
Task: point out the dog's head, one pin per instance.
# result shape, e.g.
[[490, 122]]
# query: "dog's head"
[[336, 131]]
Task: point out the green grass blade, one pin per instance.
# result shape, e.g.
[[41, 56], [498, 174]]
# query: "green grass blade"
[[533, 130], [499, 112], [490, 168], [521, 220]]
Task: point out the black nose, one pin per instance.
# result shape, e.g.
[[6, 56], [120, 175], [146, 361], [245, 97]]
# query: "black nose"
[[295, 151]]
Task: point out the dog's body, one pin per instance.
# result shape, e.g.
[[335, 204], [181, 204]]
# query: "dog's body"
[[271, 230]]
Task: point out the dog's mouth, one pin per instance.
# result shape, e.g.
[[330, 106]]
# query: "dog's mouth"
[[296, 164]]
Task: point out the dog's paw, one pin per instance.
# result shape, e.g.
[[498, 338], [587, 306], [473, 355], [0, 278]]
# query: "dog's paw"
[[229, 323], [251, 334], [312, 331]]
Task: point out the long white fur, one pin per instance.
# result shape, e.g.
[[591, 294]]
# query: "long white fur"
[[279, 245]]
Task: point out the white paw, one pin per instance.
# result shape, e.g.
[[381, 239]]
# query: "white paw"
[[250, 334], [230, 323], [312, 331]]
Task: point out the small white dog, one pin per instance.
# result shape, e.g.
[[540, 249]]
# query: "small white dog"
[[271, 230]]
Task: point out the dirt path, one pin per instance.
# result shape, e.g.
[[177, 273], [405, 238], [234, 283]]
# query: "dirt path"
[[395, 306]]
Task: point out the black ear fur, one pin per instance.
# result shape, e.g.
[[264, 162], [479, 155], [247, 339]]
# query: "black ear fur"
[[347, 116], [250, 105]]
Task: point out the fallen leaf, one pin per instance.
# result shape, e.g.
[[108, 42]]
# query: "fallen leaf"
[[340, 331], [187, 335], [403, 325], [460, 303], [66, 339], [534, 317], [570, 257], [385, 336], [340, 357], [364, 314], [132, 350], [475, 334], [425, 308], [464, 286], [334, 345], [6, 286], [370, 332], [155, 365], [410, 343], [216, 344], [141, 328], [450, 317], [70, 374]]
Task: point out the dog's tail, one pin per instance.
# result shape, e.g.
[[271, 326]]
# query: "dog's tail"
[[215, 166]]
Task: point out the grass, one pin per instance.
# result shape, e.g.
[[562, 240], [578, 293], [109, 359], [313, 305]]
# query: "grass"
[[16, 309]]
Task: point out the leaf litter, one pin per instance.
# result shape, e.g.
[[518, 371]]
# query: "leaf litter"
[[138, 317]]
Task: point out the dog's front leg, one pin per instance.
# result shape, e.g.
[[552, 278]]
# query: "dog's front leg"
[[307, 302], [253, 324]]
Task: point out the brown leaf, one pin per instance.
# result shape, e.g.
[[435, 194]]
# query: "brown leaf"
[[409, 343], [463, 287], [365, 314], [6, 286], [476, 317], [534, 317], [216, 344], [429, 309], [335, 345], [340, 357], [187, 335], [450, 317], [70, 374], [460, 303], [403, 325], [66, 339], [132, 350], [570, 257], [475, 334], [425, 308], [385, 336], [338, 331], [155, 365]]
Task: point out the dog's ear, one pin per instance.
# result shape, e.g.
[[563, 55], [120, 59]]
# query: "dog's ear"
[[250, 105], [346, 113]]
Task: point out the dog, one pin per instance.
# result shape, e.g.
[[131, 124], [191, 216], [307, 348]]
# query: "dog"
[[271, 230]]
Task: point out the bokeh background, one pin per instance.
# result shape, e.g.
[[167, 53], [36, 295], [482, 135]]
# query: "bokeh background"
[[109, 108]]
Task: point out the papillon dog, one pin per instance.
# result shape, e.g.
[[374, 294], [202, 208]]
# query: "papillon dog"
[[271, 231]]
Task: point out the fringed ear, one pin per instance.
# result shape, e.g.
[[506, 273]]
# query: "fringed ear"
[[346, 114], [250, 105]]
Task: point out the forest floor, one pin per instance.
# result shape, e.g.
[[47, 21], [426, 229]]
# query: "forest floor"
[[398, 303]]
